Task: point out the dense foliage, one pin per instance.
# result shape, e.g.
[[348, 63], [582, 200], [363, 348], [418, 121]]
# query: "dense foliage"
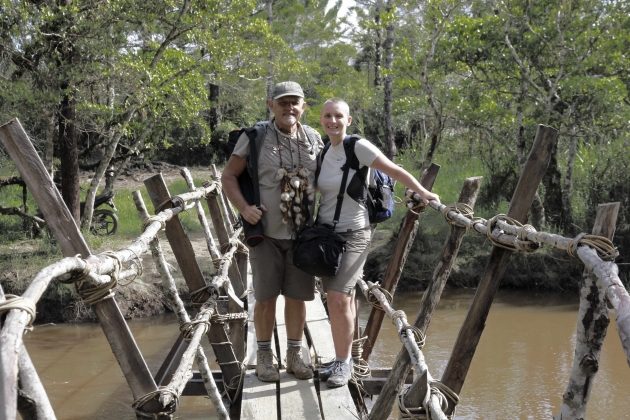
[[98, 83]]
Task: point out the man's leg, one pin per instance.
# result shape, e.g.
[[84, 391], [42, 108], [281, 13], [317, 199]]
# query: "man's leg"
[[264, 317], [294, 318]]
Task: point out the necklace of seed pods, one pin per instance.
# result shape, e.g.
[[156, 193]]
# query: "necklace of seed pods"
[[296, 192]]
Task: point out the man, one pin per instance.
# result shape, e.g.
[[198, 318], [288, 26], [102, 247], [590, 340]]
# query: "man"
[[288, 148]]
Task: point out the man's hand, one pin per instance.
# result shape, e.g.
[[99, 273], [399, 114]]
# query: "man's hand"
[[252, 214]]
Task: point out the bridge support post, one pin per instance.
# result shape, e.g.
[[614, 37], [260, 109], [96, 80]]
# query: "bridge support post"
[[591, 327], [474, 323]]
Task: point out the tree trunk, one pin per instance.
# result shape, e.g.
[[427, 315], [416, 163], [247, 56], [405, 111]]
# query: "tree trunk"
[[214, 116], [566, 222], [69, 154], [378, 44], [553, 189], [388, 50]]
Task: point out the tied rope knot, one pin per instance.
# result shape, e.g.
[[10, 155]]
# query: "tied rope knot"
[[602, 246], [201, 295], [21, 303], [521, 243], [161, 393], [188, 328], [373, 300], [92, 295], [462, 209]]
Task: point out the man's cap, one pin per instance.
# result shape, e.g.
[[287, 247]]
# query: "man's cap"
[[287, 89]]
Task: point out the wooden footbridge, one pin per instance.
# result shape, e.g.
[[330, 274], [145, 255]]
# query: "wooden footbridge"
[[222, 307]]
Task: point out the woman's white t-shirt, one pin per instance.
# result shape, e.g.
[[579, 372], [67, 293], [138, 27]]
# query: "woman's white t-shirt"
[[354, 215]]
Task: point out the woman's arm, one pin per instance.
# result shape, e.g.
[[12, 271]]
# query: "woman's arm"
[[382, 163]]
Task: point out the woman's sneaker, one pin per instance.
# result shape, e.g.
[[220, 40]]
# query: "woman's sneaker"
[[340, 374]]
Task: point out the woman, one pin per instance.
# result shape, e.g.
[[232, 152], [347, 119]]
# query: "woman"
[[353, 225]]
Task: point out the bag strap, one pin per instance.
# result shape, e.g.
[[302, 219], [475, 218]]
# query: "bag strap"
[[256, 136], [342, 192]]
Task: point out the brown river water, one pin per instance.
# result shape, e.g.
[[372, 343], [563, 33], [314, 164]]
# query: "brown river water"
[[519, 371]]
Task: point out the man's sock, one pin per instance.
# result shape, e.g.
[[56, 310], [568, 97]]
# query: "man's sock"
[[294, 344], [264, 345]]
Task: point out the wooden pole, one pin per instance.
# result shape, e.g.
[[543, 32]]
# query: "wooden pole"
[[35, 403], [201, 215], [185, 256], [71, 242], [591, 327], [430, 299], [470, 332], [406, 235]]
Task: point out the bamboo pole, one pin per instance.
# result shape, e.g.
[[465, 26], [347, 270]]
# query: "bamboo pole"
[[591, 327], [470, 332], [71, 242], [406, 236], [428, 304]]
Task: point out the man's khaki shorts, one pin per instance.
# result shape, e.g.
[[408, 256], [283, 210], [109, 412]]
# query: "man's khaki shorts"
[[274, 273]]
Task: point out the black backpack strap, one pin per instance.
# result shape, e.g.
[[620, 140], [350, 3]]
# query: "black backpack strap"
[[320, 159], [256, 135], [342, 192]]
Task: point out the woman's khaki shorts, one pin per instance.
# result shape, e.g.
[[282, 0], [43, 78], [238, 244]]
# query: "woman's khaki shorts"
[[274, 273], [352, 262]]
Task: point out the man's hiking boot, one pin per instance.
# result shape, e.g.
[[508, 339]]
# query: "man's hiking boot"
[[340, 374], [296, 365], [265, 370]]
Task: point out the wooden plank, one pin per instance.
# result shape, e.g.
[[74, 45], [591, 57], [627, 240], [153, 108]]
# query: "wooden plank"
[[298, 398], [336, 403], [260, 399]]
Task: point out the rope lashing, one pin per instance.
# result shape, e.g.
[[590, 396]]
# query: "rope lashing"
[[161, 391], [373, 300], [446, 397], [188, 328], [137, 262], [230, 317], [602, 245], [199, 296], [178, 202], [521, 243], [94, 294], [461, 209], [360, 368], [414, 203], [23, 304], [419, 337]]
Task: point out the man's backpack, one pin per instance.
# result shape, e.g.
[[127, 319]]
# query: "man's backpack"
[[377, 193]]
